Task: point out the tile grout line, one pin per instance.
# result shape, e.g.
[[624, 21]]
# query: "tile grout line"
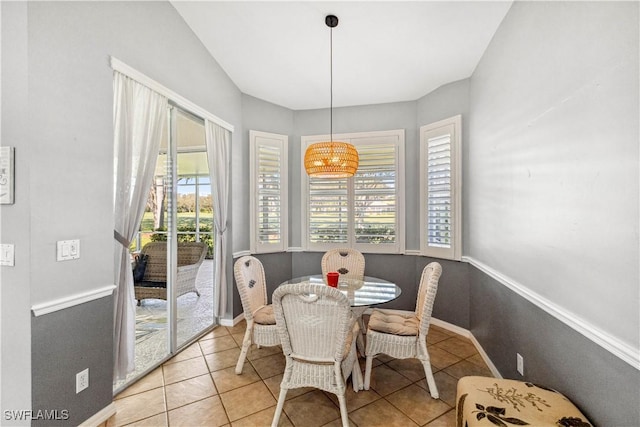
[[263, 381]]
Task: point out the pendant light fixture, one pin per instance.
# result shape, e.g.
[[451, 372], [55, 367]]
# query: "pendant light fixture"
[[332, 159]]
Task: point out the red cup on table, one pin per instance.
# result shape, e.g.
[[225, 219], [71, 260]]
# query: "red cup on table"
[[332, 279]]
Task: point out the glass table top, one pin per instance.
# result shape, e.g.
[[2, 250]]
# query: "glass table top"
[[361, 293]]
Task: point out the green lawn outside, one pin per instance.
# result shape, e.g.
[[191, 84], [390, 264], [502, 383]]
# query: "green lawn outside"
[[184, 219]]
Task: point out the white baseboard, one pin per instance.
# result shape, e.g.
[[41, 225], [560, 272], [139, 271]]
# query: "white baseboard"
[[451, 327], [458, 331], [467, 334], [232, 322], [100, 417], [436, 322]]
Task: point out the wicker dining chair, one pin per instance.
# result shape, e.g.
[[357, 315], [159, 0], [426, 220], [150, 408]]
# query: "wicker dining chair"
[[317, 331], [346, 261], [261, 323], [403, 334]]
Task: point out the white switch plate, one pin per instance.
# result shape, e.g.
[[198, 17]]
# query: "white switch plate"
[[7, 255], [68, 249]]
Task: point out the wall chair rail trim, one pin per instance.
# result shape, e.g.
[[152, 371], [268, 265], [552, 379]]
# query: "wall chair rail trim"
[[70, 301], [615, 346], [241, 254]]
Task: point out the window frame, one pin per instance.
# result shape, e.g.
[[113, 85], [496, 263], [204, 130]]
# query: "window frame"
[[358, 138], [451, 126], [256, 139]]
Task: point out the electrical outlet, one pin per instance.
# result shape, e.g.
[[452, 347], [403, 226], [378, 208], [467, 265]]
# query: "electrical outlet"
[[82, 380], [520, 363]]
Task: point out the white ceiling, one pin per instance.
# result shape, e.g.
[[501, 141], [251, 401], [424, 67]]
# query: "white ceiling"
[[383, 51]]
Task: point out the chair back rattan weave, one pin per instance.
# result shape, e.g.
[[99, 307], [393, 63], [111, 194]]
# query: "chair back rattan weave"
[[251, 283], [313, 321], [427, 295], [346, 261]]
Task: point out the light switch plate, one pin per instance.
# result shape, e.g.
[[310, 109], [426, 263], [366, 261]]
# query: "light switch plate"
[[7, 255], [68, 249]]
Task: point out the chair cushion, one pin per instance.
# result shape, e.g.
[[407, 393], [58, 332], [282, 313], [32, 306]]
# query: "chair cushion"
[[265, 316], [394, 323], [484, 401]]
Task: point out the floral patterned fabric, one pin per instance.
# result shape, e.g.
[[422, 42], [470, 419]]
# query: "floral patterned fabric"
[[484, 401]]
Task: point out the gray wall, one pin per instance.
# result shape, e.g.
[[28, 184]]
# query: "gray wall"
[[265, 117], [71, 97], [550, 131], [552, 198], [57, 352], [15, 320], [57, 79], [604, 387], [447, 101], [405, 270], [553, 172], [452, 303]]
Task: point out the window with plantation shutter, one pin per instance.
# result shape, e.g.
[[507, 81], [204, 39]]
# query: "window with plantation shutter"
[[440, 189], [375, 200], [364, 212], [328, 211], [268, 157]]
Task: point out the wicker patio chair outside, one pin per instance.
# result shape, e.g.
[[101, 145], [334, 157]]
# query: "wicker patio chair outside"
[[190, 258], [317, 330], [346, 261], [261, 323], [403, 334]]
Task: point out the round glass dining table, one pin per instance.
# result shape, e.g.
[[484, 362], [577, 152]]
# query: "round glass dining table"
[[361, 293]]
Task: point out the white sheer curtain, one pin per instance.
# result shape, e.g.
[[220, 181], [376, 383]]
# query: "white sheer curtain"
[[218, 145], [139, 115]]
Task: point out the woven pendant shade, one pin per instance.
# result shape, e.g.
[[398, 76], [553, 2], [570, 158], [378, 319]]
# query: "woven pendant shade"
[[331, 160]]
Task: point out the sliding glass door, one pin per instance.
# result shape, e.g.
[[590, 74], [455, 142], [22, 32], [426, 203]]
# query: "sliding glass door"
[[193, 231], [175, 297]]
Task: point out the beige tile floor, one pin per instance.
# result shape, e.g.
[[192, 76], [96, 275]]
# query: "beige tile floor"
[[199, 387]]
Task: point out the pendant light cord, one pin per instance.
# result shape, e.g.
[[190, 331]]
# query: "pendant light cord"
[[331, 83]]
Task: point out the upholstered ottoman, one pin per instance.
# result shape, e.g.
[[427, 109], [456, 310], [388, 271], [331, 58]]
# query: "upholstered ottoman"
[[484, 401]]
